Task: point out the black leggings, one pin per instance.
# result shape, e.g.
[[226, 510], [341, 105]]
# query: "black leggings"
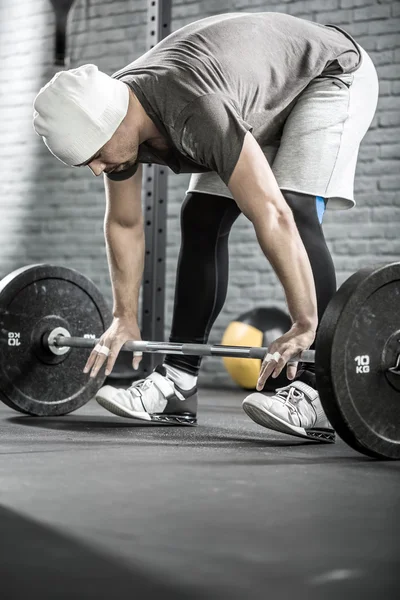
[[203, 265]]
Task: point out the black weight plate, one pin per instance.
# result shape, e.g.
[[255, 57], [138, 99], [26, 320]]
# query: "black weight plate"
[[360, 398], [33, 299]]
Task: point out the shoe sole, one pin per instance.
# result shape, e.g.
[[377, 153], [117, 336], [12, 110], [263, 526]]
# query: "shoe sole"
[[118, 410], [266, 419]]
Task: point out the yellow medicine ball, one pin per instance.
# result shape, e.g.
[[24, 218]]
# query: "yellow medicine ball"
[[257, 327]]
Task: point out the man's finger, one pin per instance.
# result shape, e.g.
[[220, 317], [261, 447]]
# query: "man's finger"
[[93, 357], [103, 353], [112, 357], [291, 365], [268, 366], [100, 360], [265, 375], [90, 361], [137, 357], [291, 370]]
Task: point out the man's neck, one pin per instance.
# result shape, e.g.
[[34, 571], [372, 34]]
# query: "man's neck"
[[147, 129]]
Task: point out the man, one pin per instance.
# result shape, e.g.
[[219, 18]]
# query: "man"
[[268, 111]]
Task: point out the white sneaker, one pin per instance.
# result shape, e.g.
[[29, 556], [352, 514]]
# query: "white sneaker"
[[156, 398], [295, 409]]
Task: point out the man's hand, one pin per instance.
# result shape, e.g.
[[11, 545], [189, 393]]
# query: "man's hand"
[[287, 346], [120, 331]]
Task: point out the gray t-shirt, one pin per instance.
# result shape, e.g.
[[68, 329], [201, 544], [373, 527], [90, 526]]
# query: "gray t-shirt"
[[207, 84]]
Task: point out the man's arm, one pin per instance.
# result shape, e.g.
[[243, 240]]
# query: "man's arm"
[[258, 196], [123, 230], [124, 235]]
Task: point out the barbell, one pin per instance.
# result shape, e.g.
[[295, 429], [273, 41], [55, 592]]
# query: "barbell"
[[59, 340], [46, 310]]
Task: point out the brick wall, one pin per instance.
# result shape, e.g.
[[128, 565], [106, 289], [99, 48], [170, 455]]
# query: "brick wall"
[[52, 213]]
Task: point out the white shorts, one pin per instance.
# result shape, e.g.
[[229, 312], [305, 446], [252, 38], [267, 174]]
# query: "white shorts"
[[318, 150]]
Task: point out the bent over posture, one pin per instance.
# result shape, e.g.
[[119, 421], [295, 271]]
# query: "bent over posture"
[[267, 111]]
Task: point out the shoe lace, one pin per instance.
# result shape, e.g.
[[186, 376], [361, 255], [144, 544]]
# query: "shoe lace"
[[143, 384], [289, 396], [148, 382]]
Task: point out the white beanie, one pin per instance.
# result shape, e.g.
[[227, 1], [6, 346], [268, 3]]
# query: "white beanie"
[[78, 111]]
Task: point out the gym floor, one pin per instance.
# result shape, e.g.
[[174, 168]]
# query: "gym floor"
[[94, 506]]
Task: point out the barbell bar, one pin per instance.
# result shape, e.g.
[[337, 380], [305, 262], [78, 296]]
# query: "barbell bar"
[[357, 352], [63, 341]]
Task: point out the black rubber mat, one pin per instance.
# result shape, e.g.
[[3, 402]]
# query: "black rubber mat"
[[94, 506]]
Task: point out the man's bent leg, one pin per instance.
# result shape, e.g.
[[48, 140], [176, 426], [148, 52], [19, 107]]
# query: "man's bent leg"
[[308, 213], [202, 273]]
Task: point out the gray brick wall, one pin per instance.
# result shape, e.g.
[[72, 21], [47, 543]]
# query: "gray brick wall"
[[52, 213]]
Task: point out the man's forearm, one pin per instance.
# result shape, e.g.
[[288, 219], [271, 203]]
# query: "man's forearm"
[[280, 241], [125, 251]]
